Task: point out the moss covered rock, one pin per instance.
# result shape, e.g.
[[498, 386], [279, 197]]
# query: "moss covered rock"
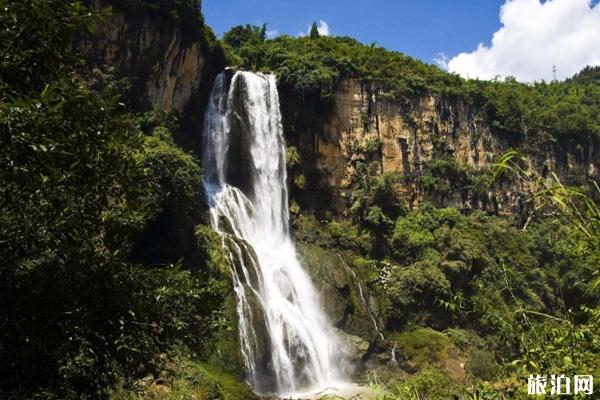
[[424, 347], [185, 378], [345, 296]]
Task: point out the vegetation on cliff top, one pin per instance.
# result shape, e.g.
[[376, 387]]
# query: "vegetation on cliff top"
[[185, 13], [525, 114]]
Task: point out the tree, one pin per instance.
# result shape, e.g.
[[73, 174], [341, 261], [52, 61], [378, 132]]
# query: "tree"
[[314, 31], [588, 75], [375, 203], [77, 182], [239, 35]]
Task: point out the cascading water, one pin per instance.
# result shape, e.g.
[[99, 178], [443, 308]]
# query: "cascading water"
[[286, 342]]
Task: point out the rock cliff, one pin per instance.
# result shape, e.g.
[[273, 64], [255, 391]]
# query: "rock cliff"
[[171, 63], [170, 60], [404, 135]]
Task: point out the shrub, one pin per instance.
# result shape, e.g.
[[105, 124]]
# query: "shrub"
[[429, 383], [482, 365], [415, 290]]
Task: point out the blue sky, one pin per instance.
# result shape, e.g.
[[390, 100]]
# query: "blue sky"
[[525, 40], [421, 29]]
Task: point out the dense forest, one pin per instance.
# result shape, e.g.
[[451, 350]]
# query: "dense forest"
[[113, 285]]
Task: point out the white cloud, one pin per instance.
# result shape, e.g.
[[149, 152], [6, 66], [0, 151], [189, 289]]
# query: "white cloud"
[[272, 33], [534, 37], [323, 28], [441, 60]]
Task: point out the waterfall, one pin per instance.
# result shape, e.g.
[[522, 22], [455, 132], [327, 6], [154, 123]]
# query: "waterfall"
[[286, 342]]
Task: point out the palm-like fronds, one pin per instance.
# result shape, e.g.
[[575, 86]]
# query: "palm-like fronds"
[[549, 196]]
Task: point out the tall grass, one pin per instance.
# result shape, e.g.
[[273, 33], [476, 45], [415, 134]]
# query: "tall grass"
[[574, 207]]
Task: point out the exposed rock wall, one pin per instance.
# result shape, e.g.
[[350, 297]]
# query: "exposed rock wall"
[[404, 135], [169, 58], [345, 297], [167, 65], [170, 64], [406, 132]]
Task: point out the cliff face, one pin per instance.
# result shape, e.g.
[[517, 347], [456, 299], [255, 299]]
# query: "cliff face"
[[403, 136], [404, 133], [171, 66], [166, 64], [174, 68], [169, 57]]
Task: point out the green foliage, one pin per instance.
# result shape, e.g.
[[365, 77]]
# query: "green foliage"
[[561, 346], [569, 342], [413, 235], [588, 75], [351, 236], [513, 301], [341, 234], [173, 175], [472, 270], [429, 383], [185, 13], [524, 295], [482, 364], [423, 347], [375, 202], [34, 38], [292, 156], [173, 179], [300, 181], [567, 206], [416, 288], [543, 113], [314, 31], [314, 65], [73, 196], [444, 176], [187, 378], [240, 35], [78, 183]]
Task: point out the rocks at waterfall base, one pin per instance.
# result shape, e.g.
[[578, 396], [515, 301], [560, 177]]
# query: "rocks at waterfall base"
[[339, 288], [356, 348]]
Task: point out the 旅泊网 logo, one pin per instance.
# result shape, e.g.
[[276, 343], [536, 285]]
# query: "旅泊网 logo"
[[560, 385]]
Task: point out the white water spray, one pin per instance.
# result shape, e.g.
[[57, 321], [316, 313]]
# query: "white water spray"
[[286, 342]]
